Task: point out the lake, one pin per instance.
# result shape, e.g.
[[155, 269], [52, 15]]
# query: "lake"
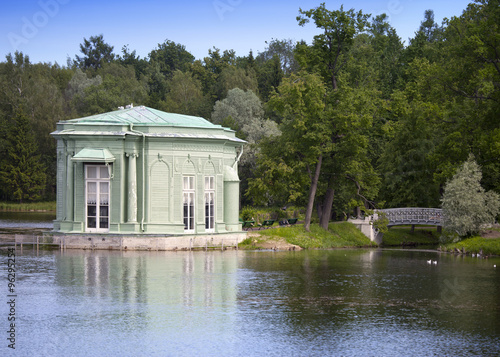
[[353, 302], [26, 220]]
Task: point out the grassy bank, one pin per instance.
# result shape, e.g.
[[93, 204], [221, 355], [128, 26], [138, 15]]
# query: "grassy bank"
[[28, 207], [339, 235], [403, 236], [487, 246]]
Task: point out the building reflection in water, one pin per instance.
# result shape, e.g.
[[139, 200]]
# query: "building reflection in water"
[[151, 287]]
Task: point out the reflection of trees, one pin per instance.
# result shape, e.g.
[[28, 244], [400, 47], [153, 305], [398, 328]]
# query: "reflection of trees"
[[395, 289], [469, 295]]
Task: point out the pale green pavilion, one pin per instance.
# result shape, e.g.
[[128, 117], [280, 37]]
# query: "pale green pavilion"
[[140, 178]]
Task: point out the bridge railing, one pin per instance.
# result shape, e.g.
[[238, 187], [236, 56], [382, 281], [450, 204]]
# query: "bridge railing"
[[403, 216]]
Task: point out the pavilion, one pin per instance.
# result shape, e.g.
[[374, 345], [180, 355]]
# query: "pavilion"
[[141, 178]]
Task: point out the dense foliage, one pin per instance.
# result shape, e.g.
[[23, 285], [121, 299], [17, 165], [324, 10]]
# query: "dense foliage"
[[350, 118]]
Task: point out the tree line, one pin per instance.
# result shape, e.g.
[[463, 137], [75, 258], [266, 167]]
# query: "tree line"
[[351, 119]]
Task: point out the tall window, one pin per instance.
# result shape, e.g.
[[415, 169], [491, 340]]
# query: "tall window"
[[97, 198], [209, 203], [188, 202]]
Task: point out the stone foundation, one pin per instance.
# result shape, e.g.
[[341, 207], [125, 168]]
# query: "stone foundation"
[[365, 225], [146, 242]]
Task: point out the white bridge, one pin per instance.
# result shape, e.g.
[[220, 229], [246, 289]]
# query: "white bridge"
[[413, 216], [397, 217]]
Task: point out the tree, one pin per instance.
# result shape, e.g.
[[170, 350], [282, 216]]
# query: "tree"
[[470, 72], [330, 49], [119, 87], [242, 111], [171, 56], [283, 50], [306, 132], [386, 56], [79, 82], [405, 162], [185, 95], [95, 53], [132, 59], [36, 89], [232, 77], [22, 171], [467, 207], [269, 76]]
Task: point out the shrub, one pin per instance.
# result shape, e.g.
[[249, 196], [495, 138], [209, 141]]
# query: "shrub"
[[467, 208]]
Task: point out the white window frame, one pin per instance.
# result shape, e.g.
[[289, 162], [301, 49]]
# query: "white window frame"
[[209, 204], [101, 200], [188, 210]]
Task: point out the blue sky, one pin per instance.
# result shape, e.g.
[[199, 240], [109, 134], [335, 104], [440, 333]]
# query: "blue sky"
[[52, 30]]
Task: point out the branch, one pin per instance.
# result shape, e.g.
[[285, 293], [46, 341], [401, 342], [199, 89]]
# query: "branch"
[[371, 203]]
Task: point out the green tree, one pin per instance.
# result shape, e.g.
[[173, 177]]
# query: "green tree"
[[95, 53], [467, 207], [171, 56], [269, 76], [330, 50], [387, 55], [119, 87], [242, 111], [233, 77], [185, 95], [300, 101], [22, 174], [347, 168], [470, 75], [37, 89], [283, 50], [132, 59]]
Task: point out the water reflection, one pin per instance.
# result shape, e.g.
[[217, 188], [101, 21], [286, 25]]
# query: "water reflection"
[[376, 302], [26, 220], [343, 302]]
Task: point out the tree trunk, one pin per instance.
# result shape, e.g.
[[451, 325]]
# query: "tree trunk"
[[312, 194], [327, 208], [319, 209]]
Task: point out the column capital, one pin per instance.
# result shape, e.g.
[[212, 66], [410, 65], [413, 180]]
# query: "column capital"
[[132, 154]]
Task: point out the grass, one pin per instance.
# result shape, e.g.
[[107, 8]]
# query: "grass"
[[489, 246], [404, 237], [260, 214], [27, 207], [339, 235]]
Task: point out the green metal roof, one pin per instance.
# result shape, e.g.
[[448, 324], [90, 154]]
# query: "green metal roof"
[[145, 116], [94, 155]]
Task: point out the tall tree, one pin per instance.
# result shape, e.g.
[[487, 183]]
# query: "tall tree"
[[171, 56], [22, 173], [470, 76], [185, 95], [283, 50], [330, 49], [387, 56], [331, 54], [128, 58], [300, 101], [95, 52], [35, 89]]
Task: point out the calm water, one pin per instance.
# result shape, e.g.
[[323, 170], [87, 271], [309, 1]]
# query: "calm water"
[[26, 220], [238, 303]]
